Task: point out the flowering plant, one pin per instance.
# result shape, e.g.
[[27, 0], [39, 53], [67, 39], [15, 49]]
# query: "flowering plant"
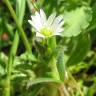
[[50, 54]]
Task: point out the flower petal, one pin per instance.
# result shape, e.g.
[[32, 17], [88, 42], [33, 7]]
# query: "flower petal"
[[57, 24], [37, 19], [59, 18], [57, 33], [34, 25], [61, 23], [59, 30], [51, 19], [43, 17], [39, 35]]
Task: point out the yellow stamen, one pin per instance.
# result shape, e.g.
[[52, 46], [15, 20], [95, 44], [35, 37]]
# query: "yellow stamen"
[[46, 32]]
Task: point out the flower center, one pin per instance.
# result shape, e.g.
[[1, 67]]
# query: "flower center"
[[46, 32]]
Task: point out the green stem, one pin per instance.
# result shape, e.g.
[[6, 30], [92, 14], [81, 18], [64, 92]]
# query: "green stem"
[[51, 42], [23, 36], [31, 5], [54, 69], [10, 63], [34, 5]]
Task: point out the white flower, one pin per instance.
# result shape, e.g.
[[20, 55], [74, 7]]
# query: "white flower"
[[46, 27]]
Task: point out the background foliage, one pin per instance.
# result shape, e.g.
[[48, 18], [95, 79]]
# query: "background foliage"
[[64, 66]]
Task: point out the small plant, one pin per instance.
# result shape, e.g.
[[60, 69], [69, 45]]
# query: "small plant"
[[53, 54]]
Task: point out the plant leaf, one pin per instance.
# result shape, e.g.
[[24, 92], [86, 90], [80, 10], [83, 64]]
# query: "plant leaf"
[[20, 10], [76, 21], [42, 80], [81, 49]]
